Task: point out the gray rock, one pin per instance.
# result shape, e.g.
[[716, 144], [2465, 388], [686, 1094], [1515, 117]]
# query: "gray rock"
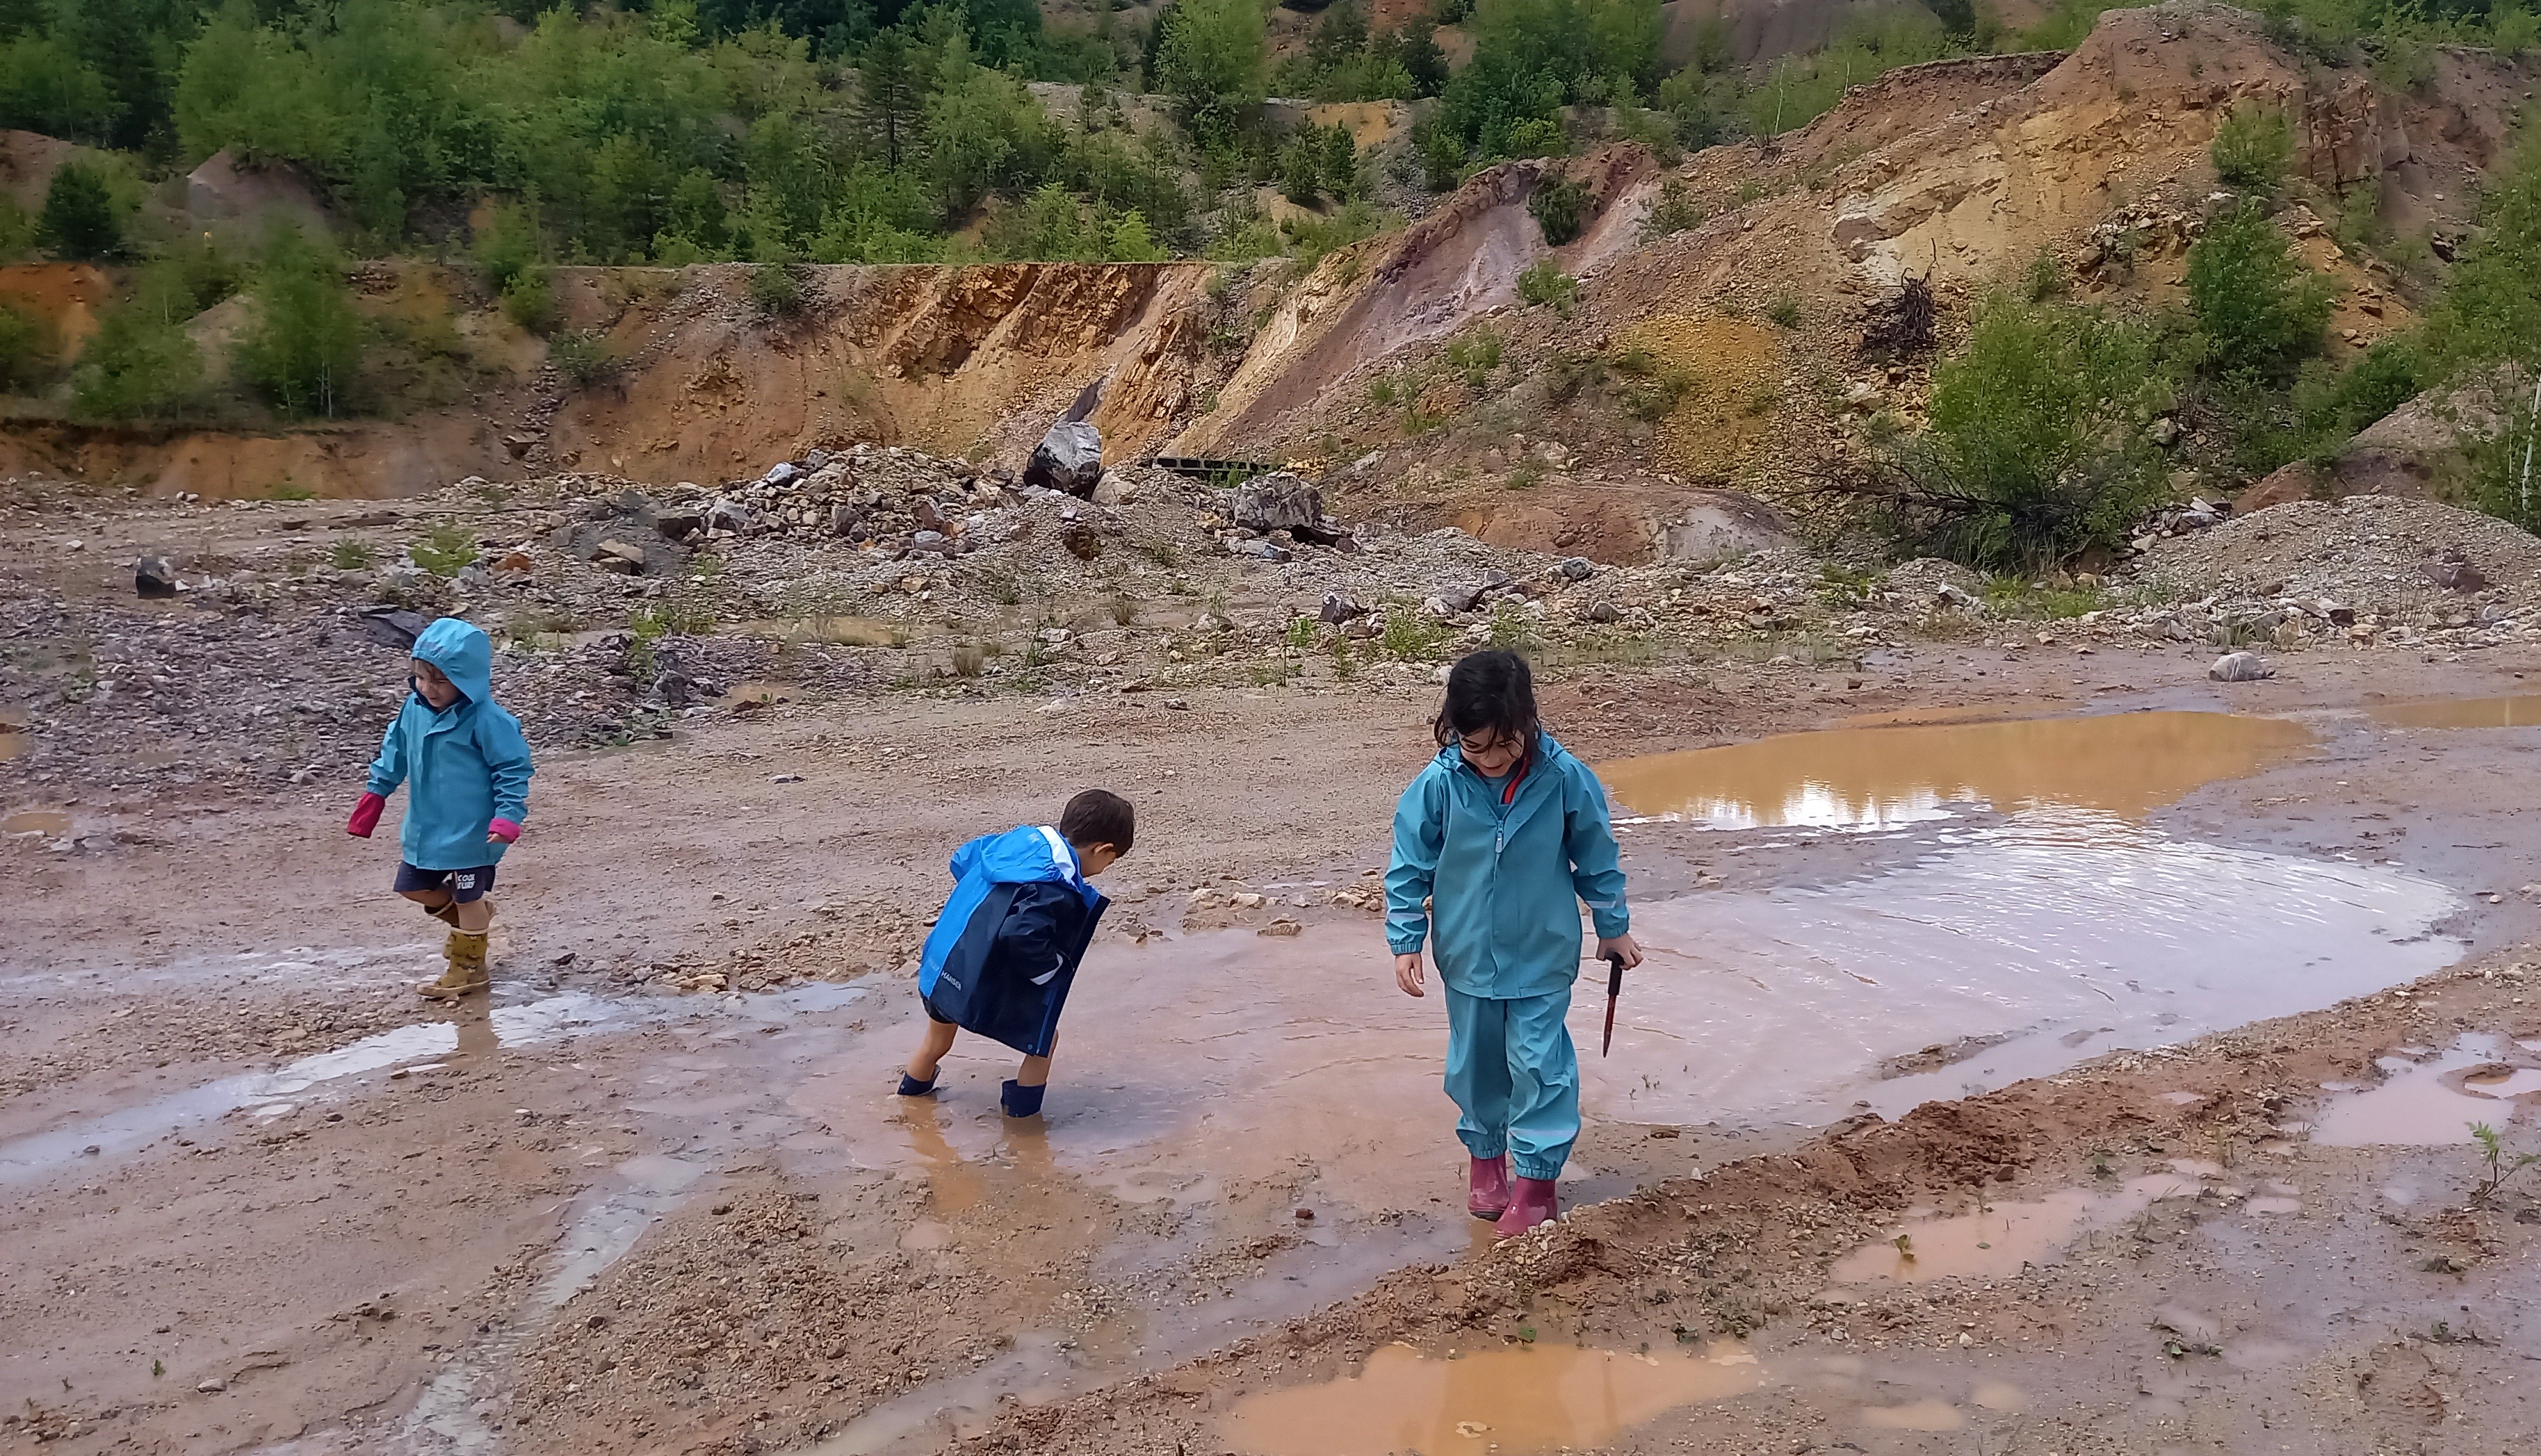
[[2453, 574], [1605, 611], [780, 473], [1068, 459], [731, 515], [1578, 568], [1114, 489], [842, 518], [2163, 432], [1264, 550], [1338, 608], [816, 461], [1716, 526], [2239, 668], [1278, 501], [1453, 600], [390, 626], [152, 576]]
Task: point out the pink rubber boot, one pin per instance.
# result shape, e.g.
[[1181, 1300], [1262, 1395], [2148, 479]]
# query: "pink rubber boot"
[[1487, 1187], [1533, 1204]]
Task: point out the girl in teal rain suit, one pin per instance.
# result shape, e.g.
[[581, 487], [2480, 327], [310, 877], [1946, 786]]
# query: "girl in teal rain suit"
[[1496, 844], [466, 769]]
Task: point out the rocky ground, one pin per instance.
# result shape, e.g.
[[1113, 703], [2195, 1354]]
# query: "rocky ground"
[[654, 1203]]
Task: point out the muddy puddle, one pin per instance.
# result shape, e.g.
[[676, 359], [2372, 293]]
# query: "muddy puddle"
[[2001, 1240], [412, 1050], [2433, 1101], [2122, 764], [51, 823], [2003, 952], [1515, 1401], [2521, 711]]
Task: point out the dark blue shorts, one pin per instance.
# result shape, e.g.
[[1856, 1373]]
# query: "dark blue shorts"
[[464, 885]]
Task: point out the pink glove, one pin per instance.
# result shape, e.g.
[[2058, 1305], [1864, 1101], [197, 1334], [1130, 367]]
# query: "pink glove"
[[504, 830], [366, 815]]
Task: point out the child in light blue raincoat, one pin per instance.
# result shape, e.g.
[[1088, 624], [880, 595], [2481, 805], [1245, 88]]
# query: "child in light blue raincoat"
[[1496, 845], [466, 771]]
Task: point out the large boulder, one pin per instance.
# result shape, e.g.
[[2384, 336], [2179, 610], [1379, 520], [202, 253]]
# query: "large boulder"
[[1068, 459], [1714, 525], [1278, 501]]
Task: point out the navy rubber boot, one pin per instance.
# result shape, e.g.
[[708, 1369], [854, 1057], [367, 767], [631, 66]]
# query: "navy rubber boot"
[[1021, 1102], [911, 1086]]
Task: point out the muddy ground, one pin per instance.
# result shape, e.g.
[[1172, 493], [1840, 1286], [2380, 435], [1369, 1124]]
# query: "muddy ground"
[[262, 1199]]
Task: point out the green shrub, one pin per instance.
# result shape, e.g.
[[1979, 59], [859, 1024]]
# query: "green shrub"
[[529, 300], [1544, 282], [775, 292], [305, 348], [2389, 374], [141, 363], [2258, 309], [1784, 311], [1560, 207], [584, 357], [27, 350], [2252, 149], [2032, 451]]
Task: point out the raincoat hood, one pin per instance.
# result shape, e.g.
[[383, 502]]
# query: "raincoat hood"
[[463, 654], [1006, 945]]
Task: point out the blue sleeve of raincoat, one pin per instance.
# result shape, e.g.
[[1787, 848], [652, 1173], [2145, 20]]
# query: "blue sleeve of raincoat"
[[1034, 941], [388, 769], [1596, 864], [507, 756], [1419, 832]]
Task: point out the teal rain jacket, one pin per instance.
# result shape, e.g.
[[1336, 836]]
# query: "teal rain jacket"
[[1504, 881], [463, 766]]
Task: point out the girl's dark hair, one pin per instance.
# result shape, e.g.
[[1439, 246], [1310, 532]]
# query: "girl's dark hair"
[[1489, 692]]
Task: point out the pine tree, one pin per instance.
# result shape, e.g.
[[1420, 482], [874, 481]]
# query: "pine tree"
[[893, 98], [78, 222]]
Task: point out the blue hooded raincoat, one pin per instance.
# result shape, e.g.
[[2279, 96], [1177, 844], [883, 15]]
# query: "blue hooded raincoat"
[[463, 766], [1505, 870], [1005, 947]]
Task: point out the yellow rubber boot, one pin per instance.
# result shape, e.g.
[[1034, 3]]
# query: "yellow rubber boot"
[[466, 973]]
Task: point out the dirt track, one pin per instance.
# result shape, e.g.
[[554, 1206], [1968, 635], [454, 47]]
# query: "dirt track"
[[395, 1257]]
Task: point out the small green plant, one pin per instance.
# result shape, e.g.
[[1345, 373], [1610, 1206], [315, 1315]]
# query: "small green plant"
[[1477, 356], [1784, 311], [774, 291], [999, 584], [2496, 1169], [2252, 149], [1301, 633], [445, 551], [1122, 608], [1905, 1243], [1166, 554], [1343, 667], [1674, 211], [352, 556], [1544, 284], [584, 357], [969, 658], [1512, 630], [1411, 637], [27, 350], [290, 490], [2101, 1167], [1526, 1334], [156, 1370], [529, 301], [1385, 392]]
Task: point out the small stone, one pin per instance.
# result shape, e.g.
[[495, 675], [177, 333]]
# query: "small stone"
[[1338, 608], [1604, 611], [2240, 667], [213, 1386], [1577, 568], [152, 576], [1305, 1215], [1177, 705], [1282, 927]]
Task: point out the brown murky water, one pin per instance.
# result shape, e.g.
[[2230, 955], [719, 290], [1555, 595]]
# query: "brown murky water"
[[2522, 711], [2001, 1240], [54, 822], [12, 742], [1513, 1401], [2433, 1103], [2123, 764]]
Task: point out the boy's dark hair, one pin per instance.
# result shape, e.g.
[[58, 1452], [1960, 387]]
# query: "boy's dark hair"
[[1491, 692], [1099, 817]]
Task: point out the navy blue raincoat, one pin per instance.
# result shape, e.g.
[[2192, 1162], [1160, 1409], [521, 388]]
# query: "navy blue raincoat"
[[1005, 947]]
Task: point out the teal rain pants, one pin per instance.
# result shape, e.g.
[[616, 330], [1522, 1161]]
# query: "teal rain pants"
[[1514, 1075]]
